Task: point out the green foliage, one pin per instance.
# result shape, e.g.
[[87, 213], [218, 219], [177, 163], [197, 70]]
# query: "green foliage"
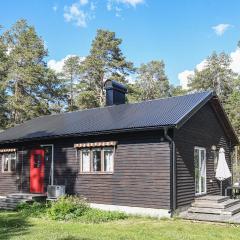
[[152, 81], [105, 61], [99, 216], [134, 93], [216, 75], [32, 89], [71, 74], [232, 107], [36, 209], [177, 91], [68, 207]]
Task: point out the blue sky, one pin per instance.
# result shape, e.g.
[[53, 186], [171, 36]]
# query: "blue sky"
[[182, 33]]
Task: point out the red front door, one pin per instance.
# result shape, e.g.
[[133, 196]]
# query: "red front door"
[[37, 171]]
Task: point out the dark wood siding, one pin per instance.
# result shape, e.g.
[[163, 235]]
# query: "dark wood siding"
[[141, 175], [8, 181], [202, 130]]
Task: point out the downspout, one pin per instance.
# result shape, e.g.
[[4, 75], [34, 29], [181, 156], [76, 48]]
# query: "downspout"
[[173, 169]]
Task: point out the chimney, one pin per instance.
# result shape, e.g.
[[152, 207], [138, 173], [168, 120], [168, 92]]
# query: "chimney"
[[115, 93]]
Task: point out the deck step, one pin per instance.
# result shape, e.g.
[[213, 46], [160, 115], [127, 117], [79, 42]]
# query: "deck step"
[[213, 204], [205, 210], [218, 211], [212, 198], [11, 201], [27, 196], [231, 210]]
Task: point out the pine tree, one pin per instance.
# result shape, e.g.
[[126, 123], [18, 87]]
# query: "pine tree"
[[30, 85], [4, 65], [152, 80], [71, 72], [216, 75], [105, 61]]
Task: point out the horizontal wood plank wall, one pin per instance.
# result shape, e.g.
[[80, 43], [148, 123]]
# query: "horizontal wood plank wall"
[[202, 130], [141, 175], [8, 181]]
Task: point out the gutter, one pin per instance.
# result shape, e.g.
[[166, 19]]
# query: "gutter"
[[84, 134], [173, 171]]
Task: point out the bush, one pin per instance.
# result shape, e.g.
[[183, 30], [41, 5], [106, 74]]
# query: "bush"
[[99, 216], [68, 207], [36, 209]]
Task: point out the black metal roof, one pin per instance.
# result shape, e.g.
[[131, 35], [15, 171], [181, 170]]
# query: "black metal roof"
[[171, 112]]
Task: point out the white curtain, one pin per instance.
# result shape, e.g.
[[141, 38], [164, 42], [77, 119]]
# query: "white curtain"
[[86, 161], [108, 155]]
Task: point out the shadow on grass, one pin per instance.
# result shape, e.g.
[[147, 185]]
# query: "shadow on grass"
[[12, 224]]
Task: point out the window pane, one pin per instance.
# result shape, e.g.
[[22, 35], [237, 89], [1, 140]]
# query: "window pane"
[[85, 160], [203, 170], [108, 159], [196, 163], [5, 161], [96, 160], [13, 162], [37, 161]]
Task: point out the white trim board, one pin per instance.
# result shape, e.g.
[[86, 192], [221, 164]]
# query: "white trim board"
[[151, 212]]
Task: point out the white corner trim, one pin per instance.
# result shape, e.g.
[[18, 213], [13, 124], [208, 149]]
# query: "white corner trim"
[[152, 212]]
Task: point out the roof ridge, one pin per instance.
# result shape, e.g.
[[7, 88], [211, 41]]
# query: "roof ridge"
[[104, 107]]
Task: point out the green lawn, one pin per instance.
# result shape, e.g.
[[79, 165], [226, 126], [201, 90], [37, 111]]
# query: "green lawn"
[[14, 226]]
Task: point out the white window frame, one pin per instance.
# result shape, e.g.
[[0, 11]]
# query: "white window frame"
[[3, 156], [91, 149], [199, 180]]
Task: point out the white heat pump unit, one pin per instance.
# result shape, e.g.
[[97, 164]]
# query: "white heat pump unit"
[[55, 191]]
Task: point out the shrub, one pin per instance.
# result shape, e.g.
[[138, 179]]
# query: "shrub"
[[36, 209], [68, 207], [99, 216]]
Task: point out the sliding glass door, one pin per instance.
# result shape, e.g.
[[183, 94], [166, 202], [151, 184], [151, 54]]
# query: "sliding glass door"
[[200, 170]]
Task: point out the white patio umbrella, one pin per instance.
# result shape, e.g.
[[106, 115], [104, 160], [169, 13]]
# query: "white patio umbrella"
[[222, 171]]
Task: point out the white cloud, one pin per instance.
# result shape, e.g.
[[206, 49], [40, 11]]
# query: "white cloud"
[[183, 77], [83, 2], [55, 8], [235, 66], [220, 29], [114, 4], [79, 12], [57, 66], [92, 6], [133, 3]]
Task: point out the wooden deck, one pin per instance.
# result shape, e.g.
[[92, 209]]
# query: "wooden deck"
[[10, 201], [214, 209]]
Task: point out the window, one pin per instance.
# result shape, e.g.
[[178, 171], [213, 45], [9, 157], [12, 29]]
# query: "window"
[[96, 160], [108, 159], [8, 162], [200, 170], [85, 160], [37, 161]]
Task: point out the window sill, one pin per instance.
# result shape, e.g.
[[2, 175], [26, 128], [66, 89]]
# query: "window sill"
[[95, 173]]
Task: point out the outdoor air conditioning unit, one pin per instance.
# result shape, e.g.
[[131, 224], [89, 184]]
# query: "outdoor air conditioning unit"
[[55, 191]]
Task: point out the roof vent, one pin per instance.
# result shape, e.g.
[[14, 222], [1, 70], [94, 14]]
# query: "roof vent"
[[115, 93]]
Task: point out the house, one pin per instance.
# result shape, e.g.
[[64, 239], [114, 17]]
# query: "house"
[[150, 157]]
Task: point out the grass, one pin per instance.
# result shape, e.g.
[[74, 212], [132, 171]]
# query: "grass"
[[15, 226]]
